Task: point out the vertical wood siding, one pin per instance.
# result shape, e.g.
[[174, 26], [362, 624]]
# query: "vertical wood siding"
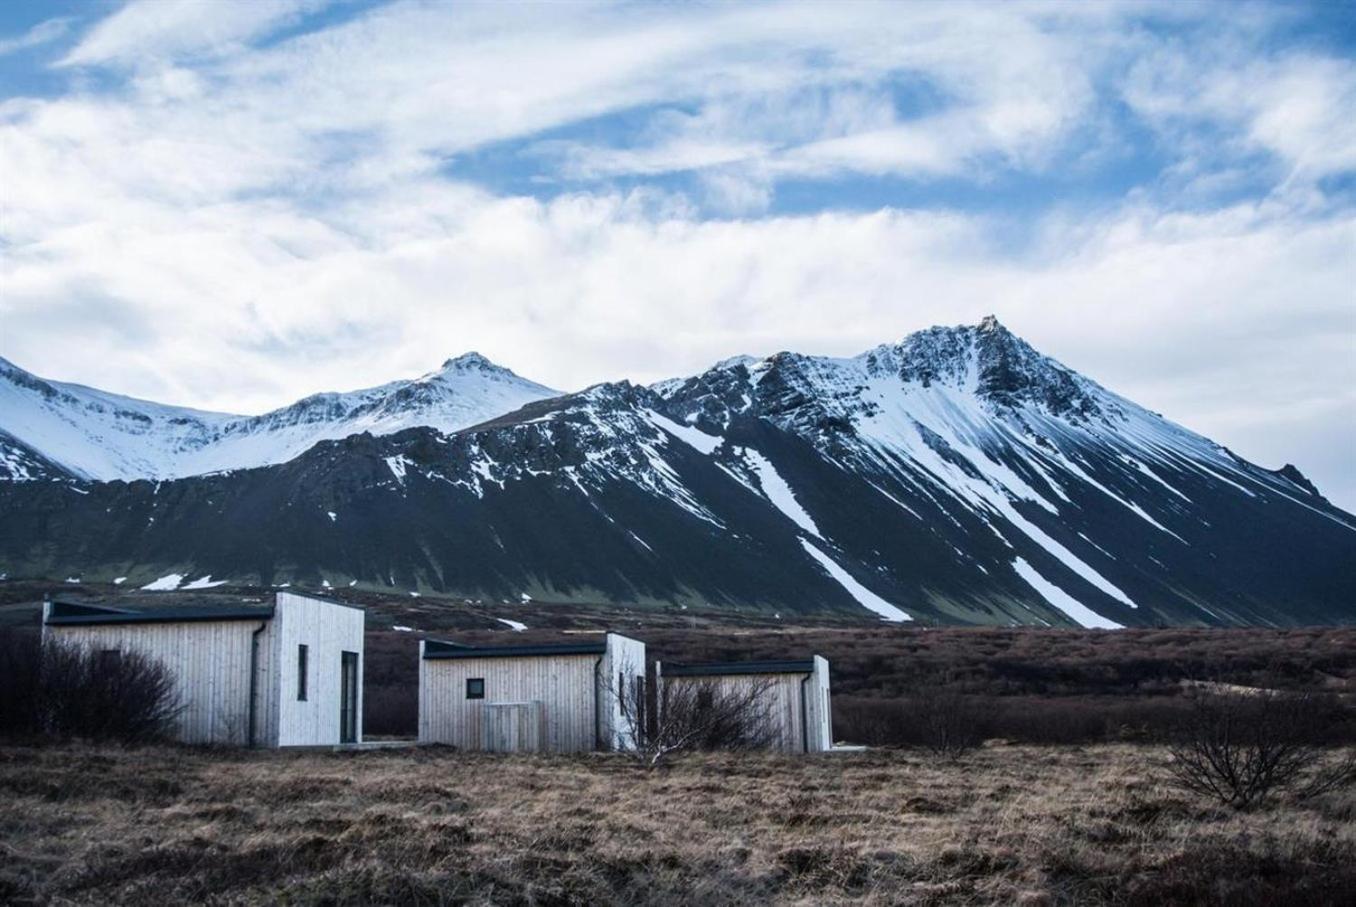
[[783, 699], [511, 727], [210, 661], [563, 684], [327, 630]]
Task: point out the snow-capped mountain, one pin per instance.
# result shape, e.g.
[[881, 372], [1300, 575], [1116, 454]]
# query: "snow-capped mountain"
[[97, 435], [958, 476]]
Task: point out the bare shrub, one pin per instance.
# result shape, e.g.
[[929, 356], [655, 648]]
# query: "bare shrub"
[[691, 715], [63, 690], [87, 693], [20, 680], [942, 720], [390, 711], [1242, 745], [949, 722]]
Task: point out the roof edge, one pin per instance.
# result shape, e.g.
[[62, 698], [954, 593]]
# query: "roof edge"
[[437, 649], [719, 668]]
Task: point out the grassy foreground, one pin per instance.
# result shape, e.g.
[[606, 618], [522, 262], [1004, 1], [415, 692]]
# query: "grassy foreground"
[[1026, 825]]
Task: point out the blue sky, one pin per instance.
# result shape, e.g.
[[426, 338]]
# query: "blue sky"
[[230, 205]]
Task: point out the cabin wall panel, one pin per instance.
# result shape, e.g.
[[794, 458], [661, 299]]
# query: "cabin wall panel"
[[327, 630], [565, 685], [209, 661]]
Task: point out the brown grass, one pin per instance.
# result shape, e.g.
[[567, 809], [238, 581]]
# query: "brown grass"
[[1027, 825]]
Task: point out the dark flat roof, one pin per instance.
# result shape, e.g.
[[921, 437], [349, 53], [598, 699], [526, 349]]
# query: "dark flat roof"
[[716, 668], [438, 648], [70, 614]]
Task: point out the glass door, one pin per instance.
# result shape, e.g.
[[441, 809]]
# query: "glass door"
[[348, 698]]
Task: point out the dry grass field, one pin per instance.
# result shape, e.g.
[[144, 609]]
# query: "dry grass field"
[[1010, 825]]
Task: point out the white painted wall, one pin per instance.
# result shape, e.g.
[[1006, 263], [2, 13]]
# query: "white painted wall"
[[623, 665], [327, 629], [821, 715]]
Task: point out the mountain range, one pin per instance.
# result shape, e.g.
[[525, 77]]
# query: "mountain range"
[[958, 476]]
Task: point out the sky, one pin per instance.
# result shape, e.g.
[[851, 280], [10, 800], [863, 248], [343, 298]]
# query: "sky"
[[230, 205]]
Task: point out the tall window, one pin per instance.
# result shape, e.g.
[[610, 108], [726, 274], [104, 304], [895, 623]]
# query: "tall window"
[[475, 688], [301, 673]]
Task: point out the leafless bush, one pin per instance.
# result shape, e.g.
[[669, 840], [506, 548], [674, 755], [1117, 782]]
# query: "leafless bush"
[[390, 710], [64, 690], [690, 715], [950, 723], [943, 720], [1242, 745], [125, 696], [20, 680]]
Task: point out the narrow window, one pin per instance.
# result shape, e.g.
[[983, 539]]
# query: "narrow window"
[[475, 688], [110, 659], [301, 673]]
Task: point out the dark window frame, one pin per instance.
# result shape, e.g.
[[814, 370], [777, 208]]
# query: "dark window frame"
[[303, 668], [475, 688]]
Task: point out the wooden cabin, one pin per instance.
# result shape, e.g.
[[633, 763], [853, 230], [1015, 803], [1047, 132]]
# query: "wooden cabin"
[[797, 694], [555, 698], [288, 673]]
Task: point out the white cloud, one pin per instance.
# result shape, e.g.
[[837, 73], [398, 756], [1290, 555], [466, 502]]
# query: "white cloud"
[[148, 30], [43, 33], [1298, 109]]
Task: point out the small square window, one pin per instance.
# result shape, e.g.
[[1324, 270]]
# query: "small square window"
[[475, 688], [110, 659]]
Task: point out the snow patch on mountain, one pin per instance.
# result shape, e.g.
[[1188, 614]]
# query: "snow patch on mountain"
[[776, 489], [864, 596], [707, 444], [1076, 610], [166, 583]]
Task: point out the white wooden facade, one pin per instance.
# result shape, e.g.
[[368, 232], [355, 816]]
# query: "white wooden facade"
[[237, 670], [486, 697], [797, 695]]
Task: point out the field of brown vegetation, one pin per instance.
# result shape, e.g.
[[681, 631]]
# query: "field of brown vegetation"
[[1027, 825]]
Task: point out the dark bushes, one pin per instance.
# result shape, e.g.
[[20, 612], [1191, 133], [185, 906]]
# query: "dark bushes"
[[65, 691], [945, 721], [1020, 719], [20, 681], [390, 711], [1242, 745]]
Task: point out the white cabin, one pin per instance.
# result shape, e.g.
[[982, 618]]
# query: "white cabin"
[[557, 698], [282, 674], [797, 691]]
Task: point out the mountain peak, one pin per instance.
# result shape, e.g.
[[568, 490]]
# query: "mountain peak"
[[471, 361], [989, 325]]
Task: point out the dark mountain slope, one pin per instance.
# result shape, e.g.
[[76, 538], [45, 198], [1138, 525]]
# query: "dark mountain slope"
[[958, 476]]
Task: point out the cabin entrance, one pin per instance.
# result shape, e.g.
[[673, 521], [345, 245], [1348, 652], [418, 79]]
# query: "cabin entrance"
[[348, 698]]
